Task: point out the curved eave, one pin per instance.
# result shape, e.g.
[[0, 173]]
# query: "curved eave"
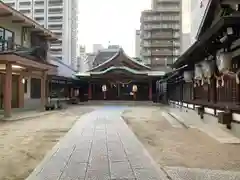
[[105, 62], [136, 62], [113, 57], [124, 68], [120, 68]]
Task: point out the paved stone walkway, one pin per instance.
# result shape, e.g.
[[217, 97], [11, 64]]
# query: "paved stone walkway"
[[100, 146]]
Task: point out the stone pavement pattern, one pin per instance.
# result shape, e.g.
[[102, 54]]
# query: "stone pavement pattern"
[[100, 146]]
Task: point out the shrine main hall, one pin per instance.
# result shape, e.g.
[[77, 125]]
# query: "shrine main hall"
[[116, 76]]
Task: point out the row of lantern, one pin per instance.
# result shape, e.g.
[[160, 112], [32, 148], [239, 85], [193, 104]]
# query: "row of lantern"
[[205, 70], [134, 88]]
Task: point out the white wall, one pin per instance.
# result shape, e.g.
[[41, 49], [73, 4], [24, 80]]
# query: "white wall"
[[16, 29]]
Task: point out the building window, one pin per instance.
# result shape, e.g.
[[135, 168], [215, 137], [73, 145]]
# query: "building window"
[[6, 36]]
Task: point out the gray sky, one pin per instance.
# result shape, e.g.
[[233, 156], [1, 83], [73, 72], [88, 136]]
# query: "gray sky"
[[101, 21]]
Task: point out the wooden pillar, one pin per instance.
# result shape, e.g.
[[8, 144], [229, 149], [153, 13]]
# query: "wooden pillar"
[[213, 91], [21, 82], [181, 92], [71, 92], [8, 91], [89, 91], [150, 91], [238, 94], [118, 90], [48, 87], [43, 90]]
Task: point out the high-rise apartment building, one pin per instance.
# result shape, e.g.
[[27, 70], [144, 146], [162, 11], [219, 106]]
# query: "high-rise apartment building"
[[186, 42], [59, 16], [161, 30], [97, 47], [137, 43], [82, 64]]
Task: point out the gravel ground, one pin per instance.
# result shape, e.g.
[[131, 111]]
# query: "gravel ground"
[[179, 146], [23, 144]]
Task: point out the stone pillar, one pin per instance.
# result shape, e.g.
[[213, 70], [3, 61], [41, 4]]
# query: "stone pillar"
[[89, 91], [7, 96], [150, 91], [20, 91], [43, 90]]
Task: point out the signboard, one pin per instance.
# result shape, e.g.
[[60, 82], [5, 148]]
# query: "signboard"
[[198, 10]]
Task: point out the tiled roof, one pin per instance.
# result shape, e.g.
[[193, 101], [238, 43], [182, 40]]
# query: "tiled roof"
[[63, 69], [103, 56]]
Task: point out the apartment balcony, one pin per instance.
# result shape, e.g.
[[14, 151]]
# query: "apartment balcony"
[[165, 36], [170, 1], [39, 13], [56, 14], [155, 61], [39, 20], [161, 26], [56, 31], [56, 48], [160, 36], [11, 4], [55, 4], [160, 19], [55, 21], [56, 52], [146, 53], [169, 9], [162, 45], [162, 53], [55, 11], [56, 45]]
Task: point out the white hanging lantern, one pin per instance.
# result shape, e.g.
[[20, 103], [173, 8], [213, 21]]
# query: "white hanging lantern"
[[224, 61], [207, 69], [104, 88], [134, 88], [188, 76], [198, 74]]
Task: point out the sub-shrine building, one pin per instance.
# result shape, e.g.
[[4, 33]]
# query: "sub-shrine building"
[[206, 76]]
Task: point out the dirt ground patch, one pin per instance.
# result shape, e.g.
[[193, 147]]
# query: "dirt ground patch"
[[23, 144], [179, 146]]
